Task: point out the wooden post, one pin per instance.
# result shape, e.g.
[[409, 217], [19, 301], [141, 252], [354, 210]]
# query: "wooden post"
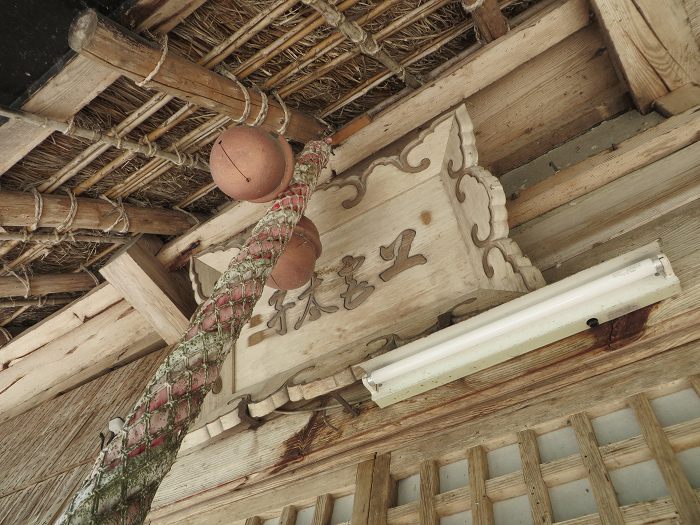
[[382, 490], [19, 209], [106, 42], [363, 492], [540, 505], [45, 284], [323, 510], [482, 508], [154, 292], [603, 490], [488, 19], [653, 46], [288, 516], [429, 488]]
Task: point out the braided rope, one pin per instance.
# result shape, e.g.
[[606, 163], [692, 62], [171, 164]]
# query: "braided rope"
[[38, 208], [127, 472], [154, 72], [122, 216]]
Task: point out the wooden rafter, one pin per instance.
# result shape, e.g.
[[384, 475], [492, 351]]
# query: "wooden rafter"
[[104, 41]]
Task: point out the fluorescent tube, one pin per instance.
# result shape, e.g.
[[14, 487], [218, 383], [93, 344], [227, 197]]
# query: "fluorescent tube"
[[596, 295]]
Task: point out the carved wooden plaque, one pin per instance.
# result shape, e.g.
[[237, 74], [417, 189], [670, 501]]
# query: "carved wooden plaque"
[[406, 240]]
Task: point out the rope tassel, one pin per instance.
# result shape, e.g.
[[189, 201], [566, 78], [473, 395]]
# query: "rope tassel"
[[129, 470]]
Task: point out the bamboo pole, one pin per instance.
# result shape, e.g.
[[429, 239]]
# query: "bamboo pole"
[[55, 238], [36, 302], [98, 38], [45, 284], [70, 129], [380, 77], [324, 46], [366, 42], [57, 211], [403, 21]]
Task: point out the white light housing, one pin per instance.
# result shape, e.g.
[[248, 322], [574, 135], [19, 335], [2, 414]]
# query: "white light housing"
[[596, 295]]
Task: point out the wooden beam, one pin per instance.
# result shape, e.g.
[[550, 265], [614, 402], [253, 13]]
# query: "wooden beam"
[[116, 337], [19, 208], [599, 170], [45, 284], [616, 208], [110, 45], [488, 19], [165, 300], [603, 490], [537, 493], [481, 69], [678, 101], [80, 80], [684, 497], [481, 505], [653, 45]]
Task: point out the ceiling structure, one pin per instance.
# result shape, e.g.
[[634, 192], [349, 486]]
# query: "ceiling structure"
[[285, 47], [524, 107]]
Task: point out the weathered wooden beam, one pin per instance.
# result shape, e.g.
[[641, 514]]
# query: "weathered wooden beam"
[[599, 170], [488, 19], [678, 101], [45, 284], [80, 80], [117, 336], [484, 67], [98, 38], [20, 209], [653, 45], [162, 298]]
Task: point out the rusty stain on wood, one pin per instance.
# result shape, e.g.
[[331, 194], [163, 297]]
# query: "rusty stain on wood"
[[619, 332]]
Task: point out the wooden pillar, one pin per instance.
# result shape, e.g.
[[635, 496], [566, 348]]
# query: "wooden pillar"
[[652, 45], [19, 209], [382, 490], [98, 38], [488, 19], [363, 493], [323, 510]]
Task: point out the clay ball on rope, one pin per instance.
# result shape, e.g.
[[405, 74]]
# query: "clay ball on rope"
[[251, 164]]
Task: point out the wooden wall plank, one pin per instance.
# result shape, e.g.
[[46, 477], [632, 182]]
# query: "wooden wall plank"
[[603, 490], [537, 493], [429, 488], [363, 492], [683, 495], [382, 490], [481, 506]]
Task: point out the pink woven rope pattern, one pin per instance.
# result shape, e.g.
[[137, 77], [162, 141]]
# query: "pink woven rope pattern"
[[127, 472]]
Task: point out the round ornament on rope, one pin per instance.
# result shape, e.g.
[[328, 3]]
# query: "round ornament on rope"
[[251, 164], [295, 266]]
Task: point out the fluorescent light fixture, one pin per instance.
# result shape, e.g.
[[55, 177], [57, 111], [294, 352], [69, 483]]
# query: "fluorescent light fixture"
[[596, 295]]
